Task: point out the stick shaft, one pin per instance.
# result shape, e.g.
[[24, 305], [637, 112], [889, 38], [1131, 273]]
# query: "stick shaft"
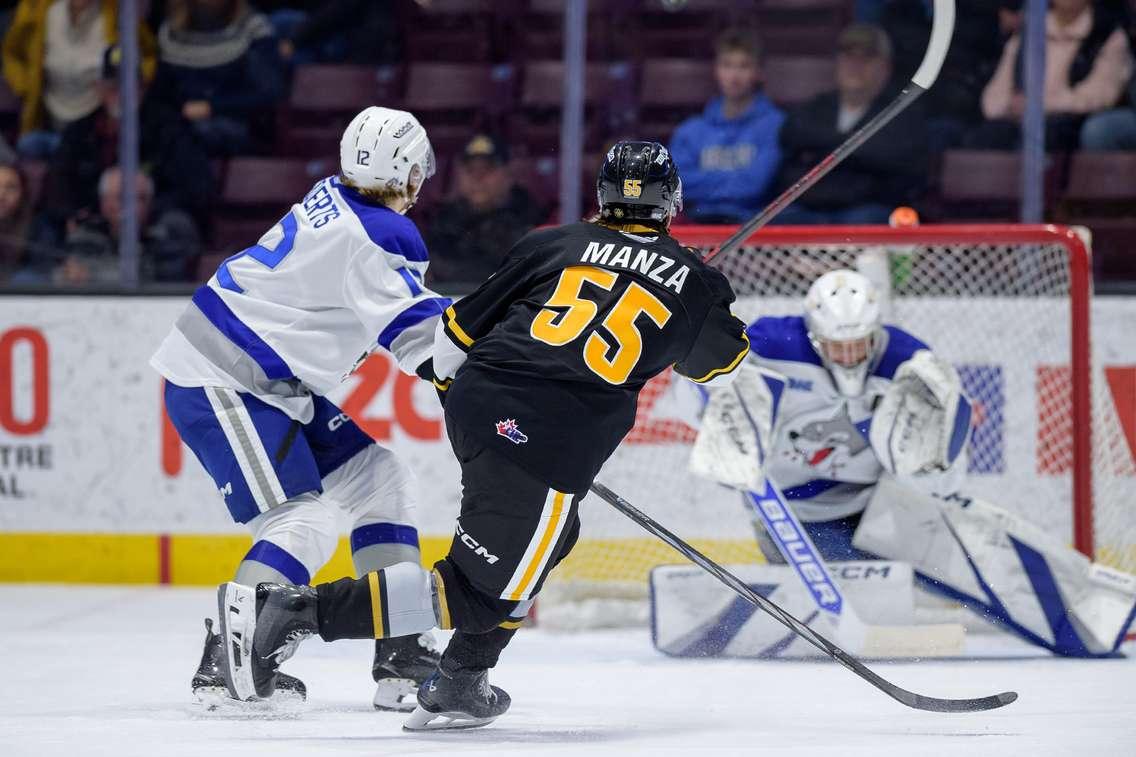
[[909, 94], [911, 699]]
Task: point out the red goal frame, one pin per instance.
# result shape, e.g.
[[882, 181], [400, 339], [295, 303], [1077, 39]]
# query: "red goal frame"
[[1080, 297]]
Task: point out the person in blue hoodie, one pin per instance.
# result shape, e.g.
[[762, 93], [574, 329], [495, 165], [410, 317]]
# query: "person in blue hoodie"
[[728, 155]]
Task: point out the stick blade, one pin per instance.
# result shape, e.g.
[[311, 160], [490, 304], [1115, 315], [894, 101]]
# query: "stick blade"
[[934, 704]]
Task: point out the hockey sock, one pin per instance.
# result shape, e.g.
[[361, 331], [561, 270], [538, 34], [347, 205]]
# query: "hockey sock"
[[475, 650], [375, 546], [462, 605], [481, 650], [394, 601], [266, 562]]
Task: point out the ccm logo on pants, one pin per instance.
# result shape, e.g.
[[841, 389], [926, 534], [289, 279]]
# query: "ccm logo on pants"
[[472, 543]]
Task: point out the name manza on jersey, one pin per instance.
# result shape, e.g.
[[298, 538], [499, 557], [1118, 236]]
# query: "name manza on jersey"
[[292, 315], [548, 355]]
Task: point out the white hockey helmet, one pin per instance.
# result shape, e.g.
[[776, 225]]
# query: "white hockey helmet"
[[384, 148], [842, 314]]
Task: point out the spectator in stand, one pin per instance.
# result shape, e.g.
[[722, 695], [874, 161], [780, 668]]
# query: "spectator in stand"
[[981, 28], [469, 235], [169, 150], [1088, 63], [1112, 129], [89, 252], [728, 156], [15, 220], [52, 55], [219, 66], [888, 170]]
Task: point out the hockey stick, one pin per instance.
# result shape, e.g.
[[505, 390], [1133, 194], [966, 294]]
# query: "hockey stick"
[[793, 542], [942, 28], [911, 699]]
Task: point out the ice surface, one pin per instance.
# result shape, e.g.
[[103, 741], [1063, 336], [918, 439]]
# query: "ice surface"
[[106, 672]]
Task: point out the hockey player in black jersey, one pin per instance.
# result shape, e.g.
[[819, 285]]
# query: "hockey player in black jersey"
[[540, 371]]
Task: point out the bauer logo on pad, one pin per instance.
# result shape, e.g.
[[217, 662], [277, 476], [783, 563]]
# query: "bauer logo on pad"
[[508, 429]]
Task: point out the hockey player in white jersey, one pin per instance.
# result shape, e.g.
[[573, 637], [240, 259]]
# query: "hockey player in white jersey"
[[856, 425], [276, 327]]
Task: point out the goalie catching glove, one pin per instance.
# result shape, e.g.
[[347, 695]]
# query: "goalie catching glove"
[[923, 419]]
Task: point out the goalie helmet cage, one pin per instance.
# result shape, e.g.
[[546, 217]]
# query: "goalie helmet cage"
[[1009, 305]]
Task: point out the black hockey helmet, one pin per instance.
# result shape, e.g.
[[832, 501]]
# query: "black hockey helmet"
[[638, 182]]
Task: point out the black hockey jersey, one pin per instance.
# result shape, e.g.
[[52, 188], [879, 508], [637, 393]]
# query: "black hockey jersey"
[[563, 337]]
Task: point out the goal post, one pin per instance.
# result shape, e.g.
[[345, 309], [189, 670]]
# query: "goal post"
[[1009, 305]]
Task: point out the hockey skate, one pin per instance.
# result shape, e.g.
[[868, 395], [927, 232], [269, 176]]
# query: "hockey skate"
[[401, 665], [260, 629], [209, 687], [462, 699]]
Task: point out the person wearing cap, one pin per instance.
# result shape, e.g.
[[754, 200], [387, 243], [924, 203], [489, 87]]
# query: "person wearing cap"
[[886, 171], [169, 150], [52, 54], [470, 233], [728, 154]]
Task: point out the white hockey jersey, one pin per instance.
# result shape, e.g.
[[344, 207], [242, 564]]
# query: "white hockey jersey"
[[294, 314], [820, 456]]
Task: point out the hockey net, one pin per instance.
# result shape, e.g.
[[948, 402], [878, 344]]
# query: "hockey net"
[[1009, 306]]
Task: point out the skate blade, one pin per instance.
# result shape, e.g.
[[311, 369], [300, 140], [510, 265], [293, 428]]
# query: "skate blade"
[[236, 609], [424, 720], [396, 695], [216, 703]]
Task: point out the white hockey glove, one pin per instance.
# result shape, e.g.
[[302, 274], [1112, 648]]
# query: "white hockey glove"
[[923, 420], [735, 430]]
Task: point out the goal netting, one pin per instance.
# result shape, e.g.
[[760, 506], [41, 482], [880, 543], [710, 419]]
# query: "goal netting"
[[1009, 306]]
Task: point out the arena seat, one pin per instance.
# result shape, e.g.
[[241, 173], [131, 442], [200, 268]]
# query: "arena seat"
[[608, 100], [270, 182], [676, 84], [794, 79], [450, 30], [1100, 182]]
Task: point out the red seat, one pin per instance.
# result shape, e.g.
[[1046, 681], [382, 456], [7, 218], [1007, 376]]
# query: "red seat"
[[794, 79], [441, 87], [450, 30], [608, 100], [677, 83], [986, 184], [980, 175], [1103, 177], [323, 89], [270, 181]]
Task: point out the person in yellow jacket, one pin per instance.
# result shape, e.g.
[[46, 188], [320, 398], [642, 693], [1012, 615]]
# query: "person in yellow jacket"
[[52, 56]]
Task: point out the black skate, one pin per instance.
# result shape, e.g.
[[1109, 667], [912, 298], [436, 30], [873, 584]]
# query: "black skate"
[[401, 665], [209, 687], [260, 629], [463, 699]]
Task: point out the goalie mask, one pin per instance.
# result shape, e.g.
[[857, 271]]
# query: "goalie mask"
[[842, 314]]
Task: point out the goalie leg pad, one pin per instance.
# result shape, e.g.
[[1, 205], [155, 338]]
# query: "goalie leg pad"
[[1002, 567]]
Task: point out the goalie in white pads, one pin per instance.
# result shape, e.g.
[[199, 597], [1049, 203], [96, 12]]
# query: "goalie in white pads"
[[858, 424]]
